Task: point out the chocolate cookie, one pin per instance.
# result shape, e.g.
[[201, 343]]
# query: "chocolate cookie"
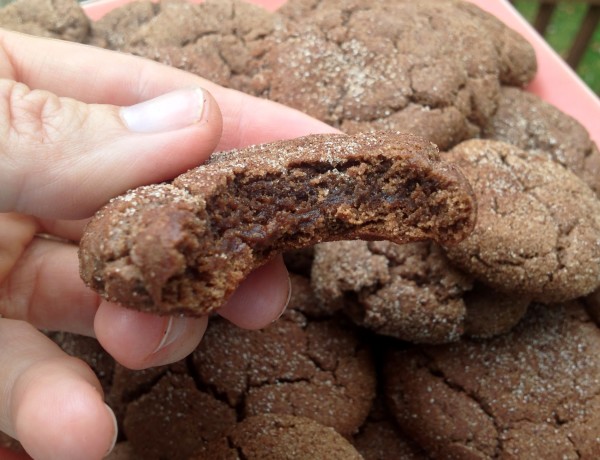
[[380, 439], [532, 393], [214, 39], [409, 66], [527, 121], [62, 19], [279, 437], [184, 247], [491, 313], [538, 225], [315, 369], [175, 419], [408, 291]]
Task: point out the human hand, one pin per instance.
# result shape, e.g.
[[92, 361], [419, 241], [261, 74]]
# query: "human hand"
[[66, 147]]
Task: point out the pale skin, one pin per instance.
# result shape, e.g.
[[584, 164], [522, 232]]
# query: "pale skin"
[[65, 150]]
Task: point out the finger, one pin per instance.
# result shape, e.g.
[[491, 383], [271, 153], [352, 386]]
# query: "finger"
[[100, 76], [44, 288], [140, 340], [137, 340], [261, 298], [51, 146], [49, 401]]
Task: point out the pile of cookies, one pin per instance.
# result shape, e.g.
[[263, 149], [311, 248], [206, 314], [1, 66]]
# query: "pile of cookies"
[[488, 348]]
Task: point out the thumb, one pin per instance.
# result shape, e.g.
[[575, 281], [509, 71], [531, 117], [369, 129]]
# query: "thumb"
[[62, 158]]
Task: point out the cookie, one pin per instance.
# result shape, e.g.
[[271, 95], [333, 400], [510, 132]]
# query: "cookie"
[[63, 19], [115, 29], [183, 247], [527, 121], [304, 300], [279, 437], [380, 439], [214, 39], [315, 369], [175, 419], [410, 66], [408, 291], [491, 313], [411, 292], [538, 225], [531, 393]]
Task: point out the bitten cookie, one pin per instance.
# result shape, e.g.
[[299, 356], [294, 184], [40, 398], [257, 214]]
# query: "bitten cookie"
[[279, 437], [184, 247], [527, 121], [314, 369], [532, 393], [63, 19], [432, 68], [538, 225]]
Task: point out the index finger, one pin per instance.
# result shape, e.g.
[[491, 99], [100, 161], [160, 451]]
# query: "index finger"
[[95, 75]]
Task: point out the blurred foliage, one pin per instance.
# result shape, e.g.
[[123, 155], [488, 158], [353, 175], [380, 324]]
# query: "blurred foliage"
[[560, 34]]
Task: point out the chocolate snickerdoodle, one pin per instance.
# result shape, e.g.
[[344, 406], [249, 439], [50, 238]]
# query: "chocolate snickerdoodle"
[[183, 247], [278, 437], [538, 225]]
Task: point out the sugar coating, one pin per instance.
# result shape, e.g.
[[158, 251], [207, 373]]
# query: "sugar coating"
[[538, 225], [62, 19], [317, 369], [185, 246], [215, 39], [271, 437], [411, 292], [175, 418], [431, 68], [527, 121], [533, 392]]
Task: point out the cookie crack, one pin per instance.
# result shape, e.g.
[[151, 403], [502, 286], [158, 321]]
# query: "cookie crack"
[[438, 373]]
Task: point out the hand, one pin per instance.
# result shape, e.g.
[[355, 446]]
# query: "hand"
[[74, 132]]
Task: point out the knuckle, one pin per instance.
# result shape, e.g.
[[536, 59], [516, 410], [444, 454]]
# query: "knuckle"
[[33, 116]]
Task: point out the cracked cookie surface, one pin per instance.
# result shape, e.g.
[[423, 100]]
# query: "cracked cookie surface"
[[275, 437], [183, 247], [527, 121], [62, 19], [316, 369], [431, 68], [534, 391], [214, 39], [538, 225], [411, 292]]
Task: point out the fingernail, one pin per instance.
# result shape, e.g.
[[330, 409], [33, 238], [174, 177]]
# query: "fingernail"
[[169, 112], [173, 331], [114, 441], [287, 302]]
